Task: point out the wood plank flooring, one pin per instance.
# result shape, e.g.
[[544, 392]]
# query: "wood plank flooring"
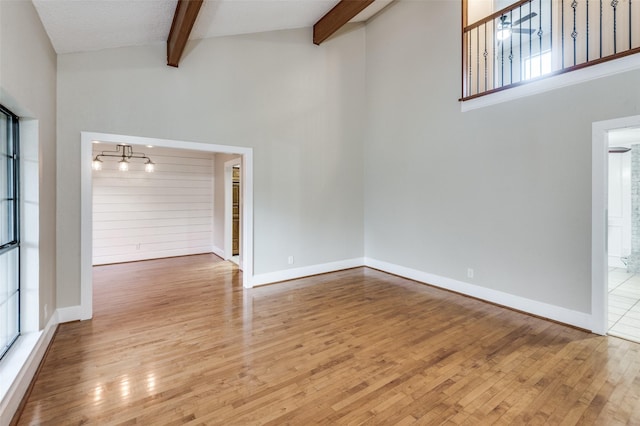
[[178, 341]]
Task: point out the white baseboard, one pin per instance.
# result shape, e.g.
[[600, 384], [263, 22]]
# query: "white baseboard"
[[20, 366], [217, 251], [553, 312], [305, 271], [556, 313], [71, 313], [149, 255]]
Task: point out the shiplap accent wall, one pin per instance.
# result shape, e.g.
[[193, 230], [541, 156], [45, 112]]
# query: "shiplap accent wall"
[[139, 215]]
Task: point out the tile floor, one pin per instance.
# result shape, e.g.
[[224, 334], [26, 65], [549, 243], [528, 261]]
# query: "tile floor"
[[624, 304]]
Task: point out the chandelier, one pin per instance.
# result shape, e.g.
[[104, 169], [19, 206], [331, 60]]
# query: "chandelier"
[[125, 153]]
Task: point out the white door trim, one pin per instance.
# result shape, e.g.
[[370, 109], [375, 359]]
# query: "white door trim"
[[599, 206], [228, 201], [86, 207]]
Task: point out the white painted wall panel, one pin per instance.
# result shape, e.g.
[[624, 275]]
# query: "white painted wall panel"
[[139, 215]]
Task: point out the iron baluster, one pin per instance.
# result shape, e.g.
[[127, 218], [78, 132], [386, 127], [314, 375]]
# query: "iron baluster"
[[511, 51], [574, 33], [520, 44], [530, 41], [614, 4], [485, 57], [478, 60], [587, 30], [540, 32], [501, 63], [469, 89], [493, 55], [601, 28]]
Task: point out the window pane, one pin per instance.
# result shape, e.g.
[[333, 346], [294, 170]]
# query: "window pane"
[[8, 322], [5, 203], [10, 251], [5, 210], [9, 298]]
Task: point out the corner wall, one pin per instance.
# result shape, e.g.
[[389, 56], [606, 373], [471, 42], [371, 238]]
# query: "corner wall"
[[504, 190]]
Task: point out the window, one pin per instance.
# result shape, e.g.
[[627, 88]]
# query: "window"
[[537, 65], [9, 232]]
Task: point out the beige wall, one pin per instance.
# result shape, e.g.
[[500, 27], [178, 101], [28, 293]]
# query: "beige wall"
[[28, 88], [299, 106], [504, 189]]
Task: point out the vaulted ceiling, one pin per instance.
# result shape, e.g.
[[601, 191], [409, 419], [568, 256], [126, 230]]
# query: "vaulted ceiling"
[[81, 25]]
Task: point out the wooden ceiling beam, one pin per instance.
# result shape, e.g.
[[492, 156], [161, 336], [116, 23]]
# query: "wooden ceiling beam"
[[342, 13], [183, 20]]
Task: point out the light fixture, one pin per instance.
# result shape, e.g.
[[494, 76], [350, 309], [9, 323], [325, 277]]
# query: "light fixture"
[[504, 29], [123, 165], [97, 164], [503, 33], [125, 153]]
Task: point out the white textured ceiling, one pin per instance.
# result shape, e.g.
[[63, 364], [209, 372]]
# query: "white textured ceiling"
[[80, 25]]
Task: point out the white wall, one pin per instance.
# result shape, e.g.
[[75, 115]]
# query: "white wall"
[[139, 215], [299, 106], [505, 190]]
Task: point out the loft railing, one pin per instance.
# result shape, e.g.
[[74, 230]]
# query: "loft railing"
[[533, 39]]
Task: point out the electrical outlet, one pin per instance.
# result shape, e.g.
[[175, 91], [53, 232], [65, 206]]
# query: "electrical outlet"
[[469, 273], [138, 246], [290, 260]]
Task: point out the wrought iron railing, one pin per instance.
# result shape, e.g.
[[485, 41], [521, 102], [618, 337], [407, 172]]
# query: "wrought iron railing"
[[532, 39]]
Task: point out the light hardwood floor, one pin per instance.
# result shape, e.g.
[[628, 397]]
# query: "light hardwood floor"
[[178, 341]]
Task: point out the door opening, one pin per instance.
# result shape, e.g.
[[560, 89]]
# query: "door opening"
[[245, 157], [615, 254], [623, 234], [233, 211]]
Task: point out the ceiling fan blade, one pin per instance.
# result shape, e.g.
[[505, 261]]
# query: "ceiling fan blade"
[[523, 30], [524, 18]]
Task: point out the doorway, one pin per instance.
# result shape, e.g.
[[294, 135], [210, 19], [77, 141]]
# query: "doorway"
[[623, 234], [85, 309], [233, 247], [615, 250]]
